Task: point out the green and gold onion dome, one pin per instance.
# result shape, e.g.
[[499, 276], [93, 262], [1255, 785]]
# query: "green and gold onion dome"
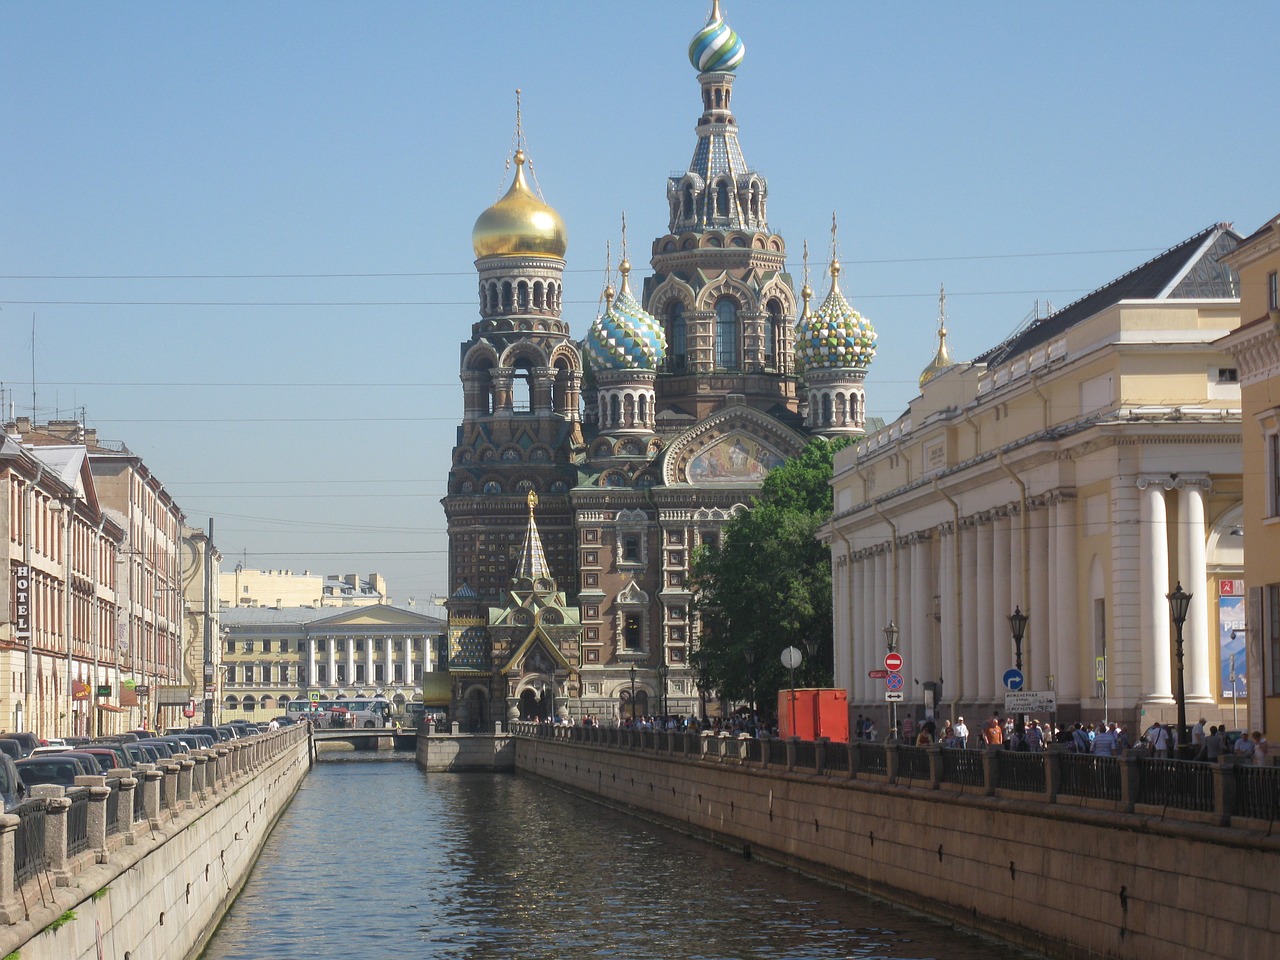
[[519, 224], [625, 336], [716, 48], [836, 336]]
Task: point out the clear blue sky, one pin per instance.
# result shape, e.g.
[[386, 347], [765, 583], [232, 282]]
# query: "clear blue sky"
[[166, 166]]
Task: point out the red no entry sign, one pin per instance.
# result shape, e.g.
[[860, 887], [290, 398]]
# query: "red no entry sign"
[[893, 662]]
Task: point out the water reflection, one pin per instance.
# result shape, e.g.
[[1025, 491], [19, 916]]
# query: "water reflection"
[[379, 859]]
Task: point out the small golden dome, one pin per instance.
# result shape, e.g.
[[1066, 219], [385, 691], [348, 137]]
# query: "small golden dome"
[[519, 224]]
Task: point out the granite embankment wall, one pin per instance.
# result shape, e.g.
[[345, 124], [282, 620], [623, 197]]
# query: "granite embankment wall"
[[156, 888], [1070, 880]]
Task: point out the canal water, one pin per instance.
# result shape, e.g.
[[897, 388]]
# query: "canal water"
[[380, 860]]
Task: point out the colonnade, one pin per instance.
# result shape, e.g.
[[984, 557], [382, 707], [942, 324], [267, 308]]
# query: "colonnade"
[[950, 588]]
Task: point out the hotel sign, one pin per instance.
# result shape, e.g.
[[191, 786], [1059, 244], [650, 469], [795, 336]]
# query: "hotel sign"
[[22, 602]]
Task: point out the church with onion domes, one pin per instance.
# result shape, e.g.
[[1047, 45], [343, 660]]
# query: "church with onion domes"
[[588, 469]]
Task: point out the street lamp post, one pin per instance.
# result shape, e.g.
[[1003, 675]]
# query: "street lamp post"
[[663, 671], [891, 642], [1179, 603], [1018, 625], [633, 692], [750, 656]]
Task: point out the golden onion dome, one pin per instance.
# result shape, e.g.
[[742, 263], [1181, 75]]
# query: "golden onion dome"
[[519, 224], [942, 359]]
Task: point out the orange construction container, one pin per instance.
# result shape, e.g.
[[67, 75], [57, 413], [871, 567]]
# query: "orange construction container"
[[819, 712]]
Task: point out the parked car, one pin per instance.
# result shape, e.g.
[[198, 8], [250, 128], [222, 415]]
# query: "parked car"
[[58, 768], [95, 764], [29, 741], [211, 732], [11, 748], [163, 749], [231, 730], [113, 752], [12, 790], [48, 749]]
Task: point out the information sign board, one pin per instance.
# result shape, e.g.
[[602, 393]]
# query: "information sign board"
[[1030, 701], [877, 674], [893, 696]]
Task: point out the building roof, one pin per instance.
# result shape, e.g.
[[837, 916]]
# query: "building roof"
[[1192, 270], [283, 616]]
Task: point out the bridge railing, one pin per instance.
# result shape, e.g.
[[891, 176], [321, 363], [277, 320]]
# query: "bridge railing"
[[57, 832], [1218, 793]]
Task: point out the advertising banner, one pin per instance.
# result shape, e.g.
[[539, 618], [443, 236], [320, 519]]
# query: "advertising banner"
[[1231, 651], [21, 602]]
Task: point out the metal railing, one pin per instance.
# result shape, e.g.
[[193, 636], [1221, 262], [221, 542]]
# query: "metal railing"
[[1090, 777], [1020, 771], [914, 763], [1218, 791], [28, 842], [1175, 783], [964, 767], [113, 809], [78, 821]]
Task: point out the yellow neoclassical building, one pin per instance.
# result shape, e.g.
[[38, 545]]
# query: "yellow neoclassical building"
[[1256, 349], [1076, 472]]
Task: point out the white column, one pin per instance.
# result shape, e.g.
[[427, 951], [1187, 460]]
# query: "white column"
[[1153, 564], [907, 621], [368, 651], [967, 575], [311, 662], [926, 667], [332, 647], [949, 628], [985, 636], [1038, 665], [1194, 574], [389, 674], [1065, 636], [1001, 599]]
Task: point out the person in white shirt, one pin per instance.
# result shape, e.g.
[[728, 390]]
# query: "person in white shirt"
[[961, 733]]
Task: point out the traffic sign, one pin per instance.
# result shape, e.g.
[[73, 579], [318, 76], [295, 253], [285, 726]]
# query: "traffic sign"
[[893, 662], [893, 696], [1013, 679], [893, 681], [877, 674]]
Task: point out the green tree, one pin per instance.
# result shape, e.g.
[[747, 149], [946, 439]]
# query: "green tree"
[[767, 585]]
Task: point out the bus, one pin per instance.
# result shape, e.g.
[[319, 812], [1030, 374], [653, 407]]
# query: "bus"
[[342, 711]]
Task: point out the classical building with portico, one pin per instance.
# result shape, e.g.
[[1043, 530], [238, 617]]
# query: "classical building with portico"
[[1077, 473]]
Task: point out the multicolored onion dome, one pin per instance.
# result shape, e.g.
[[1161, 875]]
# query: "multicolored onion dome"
[[519, 224], [716, 48], [625, 337], [836, 336]]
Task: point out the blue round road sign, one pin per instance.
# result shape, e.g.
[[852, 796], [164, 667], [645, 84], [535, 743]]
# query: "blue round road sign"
[[893, 681], [1013, 679]]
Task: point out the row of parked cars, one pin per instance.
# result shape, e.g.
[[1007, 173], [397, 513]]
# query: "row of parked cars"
[[26, 760]]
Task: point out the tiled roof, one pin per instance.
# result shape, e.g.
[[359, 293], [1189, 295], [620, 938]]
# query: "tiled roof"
[[1189, 271]]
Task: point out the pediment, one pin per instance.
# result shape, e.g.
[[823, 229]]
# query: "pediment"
[[377, 615], [738, 445], [632, 594]]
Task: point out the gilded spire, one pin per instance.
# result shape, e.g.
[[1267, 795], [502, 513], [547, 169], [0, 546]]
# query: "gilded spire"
[[624, 266], [835, 259], [533, 564], [806, 292], [942, 359]]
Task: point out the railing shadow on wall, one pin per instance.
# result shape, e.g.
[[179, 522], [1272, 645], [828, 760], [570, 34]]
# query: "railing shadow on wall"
[[58, 832], [1224, 793]]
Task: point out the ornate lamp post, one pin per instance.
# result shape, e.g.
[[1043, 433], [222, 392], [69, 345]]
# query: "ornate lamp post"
[[812, 647], [1018, 625], [1179, 603], [663, 670], [891, 643], [750, 656], [633, 691]]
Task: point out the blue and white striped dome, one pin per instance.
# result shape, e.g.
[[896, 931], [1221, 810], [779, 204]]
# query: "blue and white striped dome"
[[625, 337], [836, 336], [716, 48]]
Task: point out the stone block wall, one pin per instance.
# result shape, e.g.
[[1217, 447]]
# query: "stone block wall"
[[1070, 881]]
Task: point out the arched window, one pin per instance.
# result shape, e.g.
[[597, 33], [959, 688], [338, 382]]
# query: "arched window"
[[629, 411], [827, 412], [773, 338], [726, 334], [615, 411], [539, 300], [755, 200], [722, 199], [631, 631], [522, 296], [676, 358], [506, 296], [644, 410], [688, 201], [631, 549]]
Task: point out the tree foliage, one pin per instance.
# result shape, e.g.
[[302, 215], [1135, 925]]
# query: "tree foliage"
[[767, 585]]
